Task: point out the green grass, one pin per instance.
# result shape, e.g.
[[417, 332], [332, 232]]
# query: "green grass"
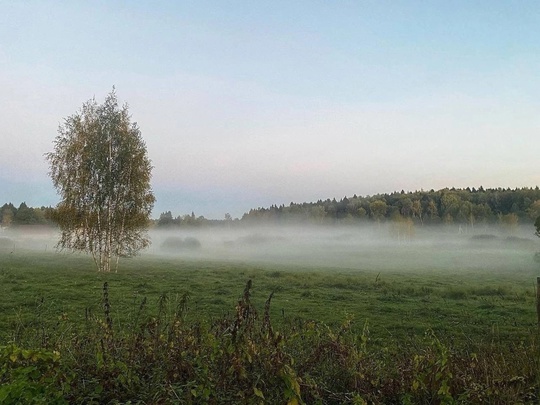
[[336, 336], [482, 305]]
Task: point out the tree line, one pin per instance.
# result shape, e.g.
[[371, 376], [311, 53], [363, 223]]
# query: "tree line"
[[25, 215], [468, 206]]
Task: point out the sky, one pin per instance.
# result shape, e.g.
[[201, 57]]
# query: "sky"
[[245, 104]]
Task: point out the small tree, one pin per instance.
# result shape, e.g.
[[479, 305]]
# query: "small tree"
[[101, 171]]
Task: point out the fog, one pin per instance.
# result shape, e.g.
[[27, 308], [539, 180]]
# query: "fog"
[[359, 247], [20, 239], [364, 247]]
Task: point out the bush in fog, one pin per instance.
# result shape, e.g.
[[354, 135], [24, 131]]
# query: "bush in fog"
[[178, 244], [192, 243]]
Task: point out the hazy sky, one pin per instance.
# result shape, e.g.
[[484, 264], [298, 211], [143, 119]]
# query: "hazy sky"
[[248, 103]]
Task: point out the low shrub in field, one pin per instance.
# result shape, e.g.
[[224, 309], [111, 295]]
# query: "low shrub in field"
[[242, 358], [176, 244]]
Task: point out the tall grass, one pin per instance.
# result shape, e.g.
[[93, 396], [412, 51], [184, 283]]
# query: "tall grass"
[[155, 355]]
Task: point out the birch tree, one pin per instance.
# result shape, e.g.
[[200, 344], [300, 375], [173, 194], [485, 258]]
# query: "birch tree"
[[100, 169]]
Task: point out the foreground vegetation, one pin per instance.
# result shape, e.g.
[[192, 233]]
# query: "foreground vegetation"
[[171, 331]]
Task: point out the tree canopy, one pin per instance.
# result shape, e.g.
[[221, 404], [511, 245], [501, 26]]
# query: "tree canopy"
[[447, 206], [467, 207], [102, 173], [24, 215]]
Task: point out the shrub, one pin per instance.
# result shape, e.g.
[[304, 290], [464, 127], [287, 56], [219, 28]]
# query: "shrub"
[[176, 244]]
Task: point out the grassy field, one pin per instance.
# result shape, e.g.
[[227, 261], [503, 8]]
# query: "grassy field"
[[479, 304], [457, 326]]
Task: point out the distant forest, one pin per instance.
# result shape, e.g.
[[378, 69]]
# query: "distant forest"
[[25, 215], [468, 206]]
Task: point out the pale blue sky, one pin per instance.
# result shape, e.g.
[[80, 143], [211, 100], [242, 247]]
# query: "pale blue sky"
[[245, 103]]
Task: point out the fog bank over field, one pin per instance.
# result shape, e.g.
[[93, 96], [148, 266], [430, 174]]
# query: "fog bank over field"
[[389, 246], [367, 247], [22, 238]]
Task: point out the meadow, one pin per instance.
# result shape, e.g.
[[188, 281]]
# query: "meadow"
[[432, 320]]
